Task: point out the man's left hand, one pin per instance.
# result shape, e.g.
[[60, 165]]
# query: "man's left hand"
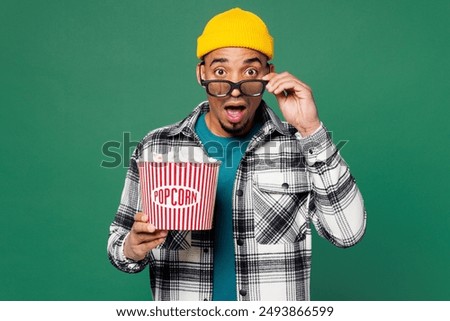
[[296, 101]]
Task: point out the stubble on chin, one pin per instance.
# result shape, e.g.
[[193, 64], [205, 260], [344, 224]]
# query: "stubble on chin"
[[235, 129]]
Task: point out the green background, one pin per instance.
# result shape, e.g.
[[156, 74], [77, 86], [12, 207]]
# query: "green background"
[[75, 75]]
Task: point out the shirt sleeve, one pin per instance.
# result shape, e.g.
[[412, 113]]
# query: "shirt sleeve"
[[123, 221], [336, 206]]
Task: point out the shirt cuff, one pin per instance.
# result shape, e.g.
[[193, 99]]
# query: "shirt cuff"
[[299, 135], [318, 146], [120, 253]]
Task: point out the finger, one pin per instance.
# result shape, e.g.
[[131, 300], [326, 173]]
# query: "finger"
[[146, 238], [276, 79], [140, 251], [147, 228], [291, 85], [144, 248], [269, 76], [288, 85], [139, 238], [287, 75], [140, 227], [273, 79], [141, 217], [142, 223]]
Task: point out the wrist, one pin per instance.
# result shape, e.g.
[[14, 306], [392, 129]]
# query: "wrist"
[[126, 251], [307, 131]]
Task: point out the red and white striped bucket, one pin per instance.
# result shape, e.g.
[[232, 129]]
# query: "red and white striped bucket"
[[179, 196]]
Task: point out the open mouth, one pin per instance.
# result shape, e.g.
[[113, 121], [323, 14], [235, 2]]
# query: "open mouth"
[[234, 113], [239, 108]]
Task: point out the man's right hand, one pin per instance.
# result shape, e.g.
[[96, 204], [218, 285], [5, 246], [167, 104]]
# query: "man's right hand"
[[143, 237]]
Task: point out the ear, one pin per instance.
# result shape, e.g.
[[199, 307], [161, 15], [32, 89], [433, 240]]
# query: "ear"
[[200, 71], [271, 67]]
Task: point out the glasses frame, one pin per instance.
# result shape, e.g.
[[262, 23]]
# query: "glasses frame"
[[233, 86]]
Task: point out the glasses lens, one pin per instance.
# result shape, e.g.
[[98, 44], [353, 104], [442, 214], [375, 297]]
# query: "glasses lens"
[[252, 88], [218, 88]]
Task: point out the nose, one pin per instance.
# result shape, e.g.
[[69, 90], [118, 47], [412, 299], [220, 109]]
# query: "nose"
[[236, 92]]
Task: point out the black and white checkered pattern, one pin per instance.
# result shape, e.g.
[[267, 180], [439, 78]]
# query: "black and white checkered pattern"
[[283, 183]]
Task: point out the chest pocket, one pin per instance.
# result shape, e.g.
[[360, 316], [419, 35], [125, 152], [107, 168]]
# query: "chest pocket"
[[279, 201]]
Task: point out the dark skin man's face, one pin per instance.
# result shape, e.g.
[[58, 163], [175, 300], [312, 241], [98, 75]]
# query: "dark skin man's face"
[[233, 115]]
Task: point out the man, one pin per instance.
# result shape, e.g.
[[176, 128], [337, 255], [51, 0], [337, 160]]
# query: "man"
[[276, 177]]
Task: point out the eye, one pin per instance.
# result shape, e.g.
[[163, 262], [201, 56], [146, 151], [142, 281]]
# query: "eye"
[[251, 72], [219, 72]]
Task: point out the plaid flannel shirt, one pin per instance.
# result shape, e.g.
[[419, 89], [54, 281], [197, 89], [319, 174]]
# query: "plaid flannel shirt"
[[283, 183]]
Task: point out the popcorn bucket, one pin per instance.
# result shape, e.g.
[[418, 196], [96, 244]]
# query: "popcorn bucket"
[[179, 195]]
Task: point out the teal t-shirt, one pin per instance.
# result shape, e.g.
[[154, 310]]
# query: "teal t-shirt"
[[229, 151]]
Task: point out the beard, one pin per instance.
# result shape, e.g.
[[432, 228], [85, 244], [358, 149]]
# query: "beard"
[[235, 129]]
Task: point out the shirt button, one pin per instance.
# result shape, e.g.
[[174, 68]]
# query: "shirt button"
[[239, 192], [285, 185], [243, 292], [205, 250], [240, 242], [311, 151]]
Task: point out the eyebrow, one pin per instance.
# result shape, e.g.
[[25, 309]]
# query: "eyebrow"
[[246, 61], [218, 60], [252, 60]]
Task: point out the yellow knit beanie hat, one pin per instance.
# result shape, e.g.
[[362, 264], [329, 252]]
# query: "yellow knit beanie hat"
[[235, 28]]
